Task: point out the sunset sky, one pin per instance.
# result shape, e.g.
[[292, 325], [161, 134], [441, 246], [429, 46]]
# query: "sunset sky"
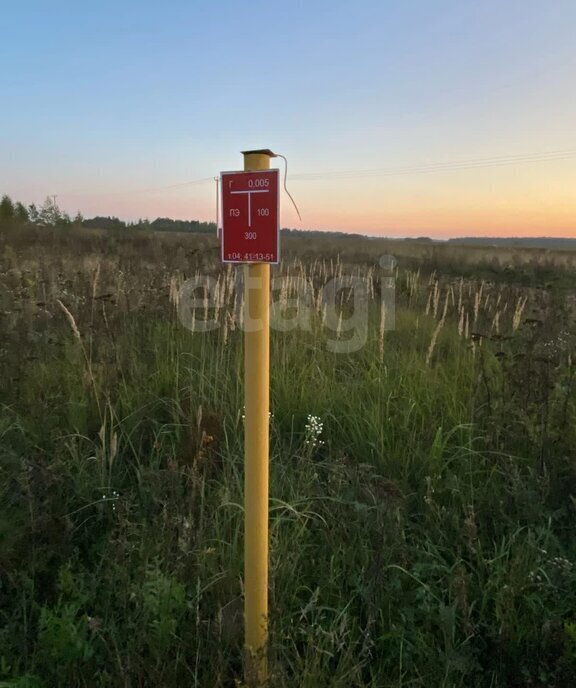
[[421, 117]]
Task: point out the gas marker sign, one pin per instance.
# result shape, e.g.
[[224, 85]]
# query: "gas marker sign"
[[250, 217]]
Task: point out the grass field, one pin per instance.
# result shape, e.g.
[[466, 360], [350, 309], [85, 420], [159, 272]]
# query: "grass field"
[[423, 486]]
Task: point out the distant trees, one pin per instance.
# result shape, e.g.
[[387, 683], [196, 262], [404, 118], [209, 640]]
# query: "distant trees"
[[33, 214], [165, 224], [100, 222], [16, 214], [21, 213], [553, 243], [7, 212], [160, 224], [12, 214], [50, 213]]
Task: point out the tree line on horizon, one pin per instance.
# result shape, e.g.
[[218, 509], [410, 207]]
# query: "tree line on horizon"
[[14, 214]]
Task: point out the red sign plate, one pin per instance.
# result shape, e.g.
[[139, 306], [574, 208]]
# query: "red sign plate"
[[250, 217]]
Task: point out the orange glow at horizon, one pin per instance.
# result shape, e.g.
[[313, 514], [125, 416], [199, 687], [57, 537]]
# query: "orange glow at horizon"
[[522, 202], [537, 200]]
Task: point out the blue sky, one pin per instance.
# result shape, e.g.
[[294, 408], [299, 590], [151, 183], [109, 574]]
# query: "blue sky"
[[102, 99]]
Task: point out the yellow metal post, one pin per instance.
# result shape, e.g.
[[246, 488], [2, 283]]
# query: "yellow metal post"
[[256, 444]]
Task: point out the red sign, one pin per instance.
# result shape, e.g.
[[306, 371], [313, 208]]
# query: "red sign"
[[250, 217]]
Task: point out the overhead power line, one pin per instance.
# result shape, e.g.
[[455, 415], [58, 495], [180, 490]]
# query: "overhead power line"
[[153, 189], [423, 168], [442, 166]]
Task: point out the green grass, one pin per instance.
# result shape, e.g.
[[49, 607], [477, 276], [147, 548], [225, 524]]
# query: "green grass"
[[428, 541]]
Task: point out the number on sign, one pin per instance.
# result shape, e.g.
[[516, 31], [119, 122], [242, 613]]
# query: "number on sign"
[[263, 212], [256, 183], [249, 235]]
